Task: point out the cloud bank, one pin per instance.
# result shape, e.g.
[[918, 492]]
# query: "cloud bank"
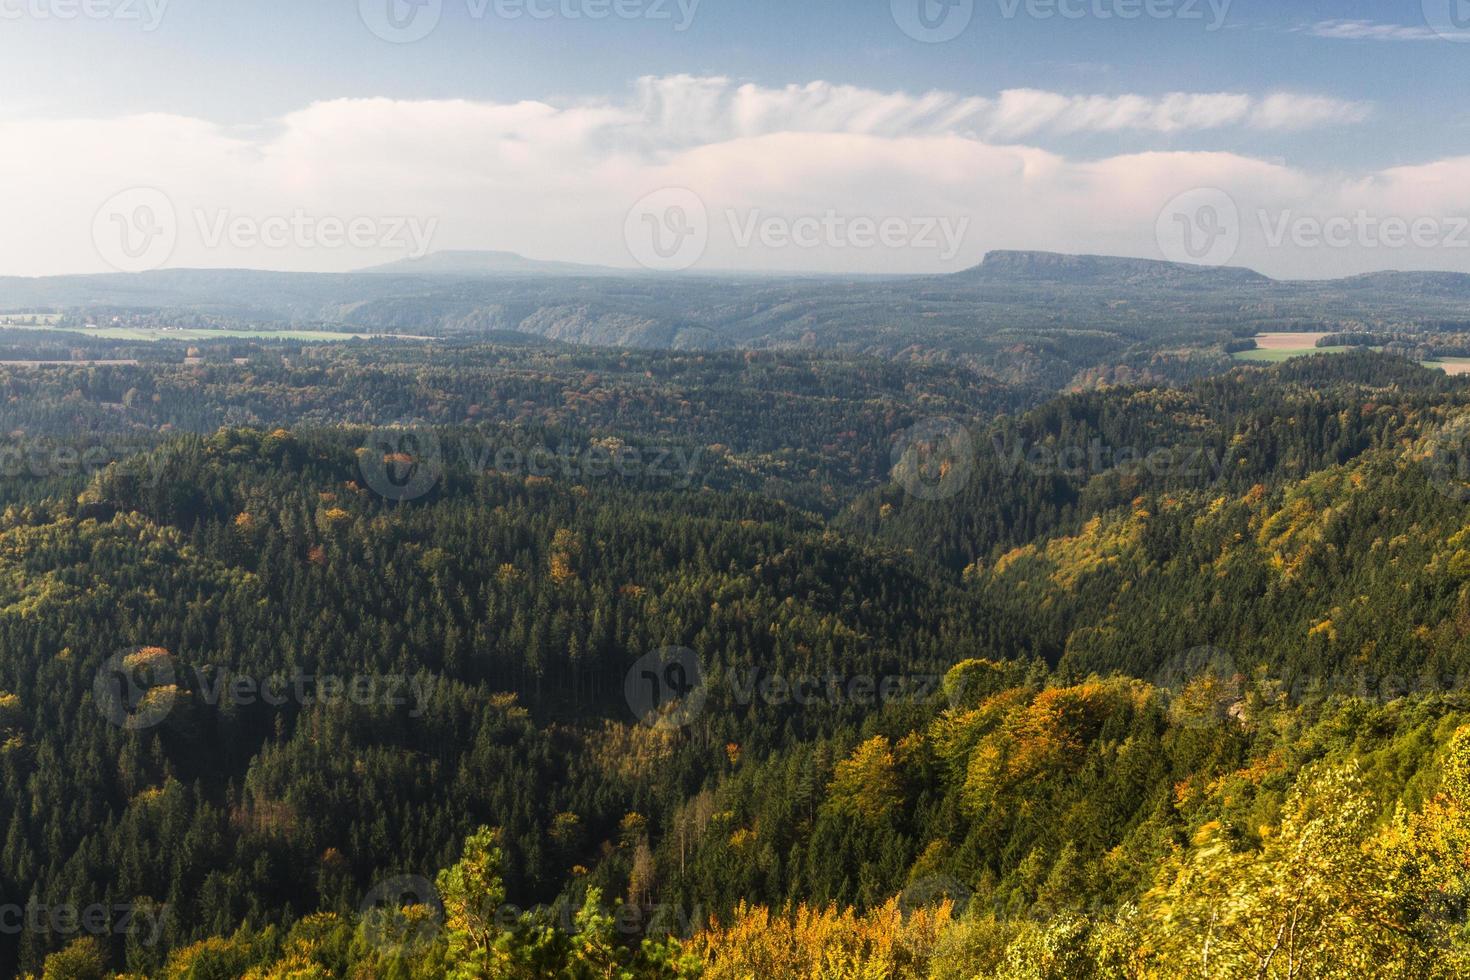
[[1367, 30], [557, 181]]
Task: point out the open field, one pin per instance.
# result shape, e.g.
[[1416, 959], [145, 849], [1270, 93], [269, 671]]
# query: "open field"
[[1288, 341], [1450, 365], [150, 334], [1273, 348], [1275, 356]]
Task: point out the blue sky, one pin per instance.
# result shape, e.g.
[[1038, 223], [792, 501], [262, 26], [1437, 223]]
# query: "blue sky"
[[245, 62], [1393, 91]]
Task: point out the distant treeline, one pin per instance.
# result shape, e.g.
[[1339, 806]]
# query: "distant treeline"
[[1356, 339], [1413, 346]]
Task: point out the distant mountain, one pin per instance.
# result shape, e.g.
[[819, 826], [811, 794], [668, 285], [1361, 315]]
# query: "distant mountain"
[[1105, 269], [1445, 284], [1027, 318], [472, 263]]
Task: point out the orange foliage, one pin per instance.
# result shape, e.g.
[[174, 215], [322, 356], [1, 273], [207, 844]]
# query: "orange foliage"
[[1048, 735], [561, 570], [810, 943]]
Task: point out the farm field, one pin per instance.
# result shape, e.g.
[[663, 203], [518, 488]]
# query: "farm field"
[[1288, 341], [1450, 365], [1273, 348], [1260, 356], [151, 334]]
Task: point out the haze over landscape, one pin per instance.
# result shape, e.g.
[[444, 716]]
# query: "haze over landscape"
[[698, 490]]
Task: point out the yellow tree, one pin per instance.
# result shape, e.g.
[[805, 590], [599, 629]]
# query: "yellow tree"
[[825, 943], [1314, 901], [1430, 855], [866, 783]]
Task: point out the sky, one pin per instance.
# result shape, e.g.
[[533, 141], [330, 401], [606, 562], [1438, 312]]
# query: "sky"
[[1304, 139]]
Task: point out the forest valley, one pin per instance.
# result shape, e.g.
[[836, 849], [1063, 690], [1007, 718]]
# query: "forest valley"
[[702, 665]]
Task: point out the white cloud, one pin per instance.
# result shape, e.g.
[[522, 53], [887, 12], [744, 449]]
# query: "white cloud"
[[682, 107], [1367, 30], [557, 181], [1282, 111]]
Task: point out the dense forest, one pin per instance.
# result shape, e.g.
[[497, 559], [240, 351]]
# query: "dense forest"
[[514, 659]]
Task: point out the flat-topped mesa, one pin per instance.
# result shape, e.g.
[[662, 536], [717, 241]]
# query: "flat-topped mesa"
[[1059, 267]]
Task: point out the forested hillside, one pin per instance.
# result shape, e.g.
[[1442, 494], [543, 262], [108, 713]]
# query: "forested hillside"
[[524, 662], [1031, 319]]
